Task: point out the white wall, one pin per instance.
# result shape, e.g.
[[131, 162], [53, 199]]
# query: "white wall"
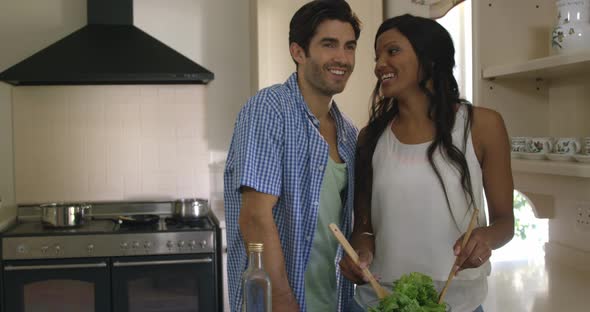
[[110, 143], [215, 34], [275, 63], [26, 26]]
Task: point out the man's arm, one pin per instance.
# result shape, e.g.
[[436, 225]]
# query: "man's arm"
[[257, 225]]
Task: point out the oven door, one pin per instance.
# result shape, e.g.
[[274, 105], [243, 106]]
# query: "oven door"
[[1, 286], [178, 283], [57, 285]]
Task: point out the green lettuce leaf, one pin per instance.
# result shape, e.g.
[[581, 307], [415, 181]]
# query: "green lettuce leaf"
[[413, 292]]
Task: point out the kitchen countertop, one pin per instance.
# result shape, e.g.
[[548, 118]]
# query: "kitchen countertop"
[[523, 279], [219, 211]]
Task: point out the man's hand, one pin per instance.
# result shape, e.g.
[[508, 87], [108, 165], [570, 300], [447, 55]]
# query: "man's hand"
[[257, 225], [284, 302]]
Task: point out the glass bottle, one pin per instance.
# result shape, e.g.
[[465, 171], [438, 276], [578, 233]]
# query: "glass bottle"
[[255, 282]]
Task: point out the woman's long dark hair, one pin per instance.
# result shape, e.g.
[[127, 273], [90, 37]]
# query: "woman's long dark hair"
[[435, 52]]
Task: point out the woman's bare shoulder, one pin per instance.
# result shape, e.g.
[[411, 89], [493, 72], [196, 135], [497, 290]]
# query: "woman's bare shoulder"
[[488, 130], [487, 119]]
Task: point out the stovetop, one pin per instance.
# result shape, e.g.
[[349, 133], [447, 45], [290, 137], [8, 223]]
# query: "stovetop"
[[107, 238], [112, 226], [38, 229], [167, 224]]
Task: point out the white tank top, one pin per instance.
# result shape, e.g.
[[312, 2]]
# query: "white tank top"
[[414, 229]]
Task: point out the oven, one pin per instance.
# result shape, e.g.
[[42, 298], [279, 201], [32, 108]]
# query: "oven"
[[113, 262], [1, 290], [171, 283], [80, 285]]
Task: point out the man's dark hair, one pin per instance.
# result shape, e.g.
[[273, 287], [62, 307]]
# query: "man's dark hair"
[[306, 20]]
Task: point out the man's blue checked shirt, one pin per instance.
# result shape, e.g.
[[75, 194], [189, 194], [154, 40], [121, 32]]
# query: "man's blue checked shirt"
[[277, 149]]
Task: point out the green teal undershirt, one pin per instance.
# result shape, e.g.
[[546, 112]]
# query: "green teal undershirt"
[[320, 276]]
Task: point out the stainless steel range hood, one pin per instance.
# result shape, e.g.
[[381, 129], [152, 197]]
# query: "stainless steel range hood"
[[109, 50]]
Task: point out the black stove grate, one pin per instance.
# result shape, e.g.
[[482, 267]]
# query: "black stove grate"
[[196, 224]]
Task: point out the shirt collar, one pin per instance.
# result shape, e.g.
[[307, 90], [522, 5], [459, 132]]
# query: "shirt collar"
[[293, 85]]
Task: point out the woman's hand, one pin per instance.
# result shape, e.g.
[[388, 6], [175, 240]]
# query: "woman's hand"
[[492, 147], [354, 272], [476, 252]]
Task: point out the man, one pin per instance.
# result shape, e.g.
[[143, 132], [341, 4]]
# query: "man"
[[289, 171]]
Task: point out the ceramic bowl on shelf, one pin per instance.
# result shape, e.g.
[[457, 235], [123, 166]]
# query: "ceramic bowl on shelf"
[[582, 158], [534, 156], [569, 146], [560, 157], [540, 145], [519, 144]]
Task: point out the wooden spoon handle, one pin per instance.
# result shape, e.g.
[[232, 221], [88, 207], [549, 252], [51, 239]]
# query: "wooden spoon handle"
[[441, 297], [381, 292]]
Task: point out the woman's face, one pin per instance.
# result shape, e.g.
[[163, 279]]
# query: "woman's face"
[[396, 65]]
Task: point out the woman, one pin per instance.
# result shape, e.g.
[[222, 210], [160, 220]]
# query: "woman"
[[423, 162]]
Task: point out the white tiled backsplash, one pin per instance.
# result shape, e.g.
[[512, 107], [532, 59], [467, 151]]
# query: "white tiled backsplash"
[[103, 143]]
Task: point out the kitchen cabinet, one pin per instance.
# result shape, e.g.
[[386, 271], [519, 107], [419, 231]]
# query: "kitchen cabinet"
[[538, 95], [550, 67], [540, 88]]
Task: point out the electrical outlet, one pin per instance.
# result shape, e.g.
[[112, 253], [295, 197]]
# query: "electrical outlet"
[[583, 219]]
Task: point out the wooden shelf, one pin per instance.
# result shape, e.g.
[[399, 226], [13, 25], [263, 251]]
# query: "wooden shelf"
[[572, 169], [556, 66]]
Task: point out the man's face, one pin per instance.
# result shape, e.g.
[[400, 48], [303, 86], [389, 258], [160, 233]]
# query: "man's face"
[[330, 60]]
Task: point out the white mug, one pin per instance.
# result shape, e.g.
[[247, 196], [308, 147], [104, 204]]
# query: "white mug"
[[586, 148], [567, 146], [519, 144], [541, 145]]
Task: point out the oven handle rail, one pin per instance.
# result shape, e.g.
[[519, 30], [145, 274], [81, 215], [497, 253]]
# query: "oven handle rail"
[[141, 263], [57, 266]]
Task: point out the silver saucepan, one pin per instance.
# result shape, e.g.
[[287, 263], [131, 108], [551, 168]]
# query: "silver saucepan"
[[190, 208], [64, 215]]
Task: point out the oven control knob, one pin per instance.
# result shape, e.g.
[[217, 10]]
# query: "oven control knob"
[[181, 244], [169, 244], [147, 245], [90, 247], [57, 249], [44, 249], [124, 245], [135, 244], [192, 243], [22, 249], [203, 243]]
